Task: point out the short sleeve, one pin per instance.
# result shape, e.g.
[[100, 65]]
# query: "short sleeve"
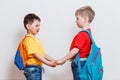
[[30, 46], [80, 40]]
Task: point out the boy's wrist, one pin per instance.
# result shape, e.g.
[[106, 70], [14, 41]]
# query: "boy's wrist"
[[64, 60]]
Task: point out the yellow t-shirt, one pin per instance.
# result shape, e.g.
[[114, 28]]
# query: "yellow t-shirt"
[[31, 46]]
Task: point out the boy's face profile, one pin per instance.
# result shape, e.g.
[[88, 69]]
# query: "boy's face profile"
[[34, 27], [80, 21]]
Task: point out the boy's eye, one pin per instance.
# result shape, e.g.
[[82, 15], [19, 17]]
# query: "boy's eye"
[[37, 25], [77, 18]]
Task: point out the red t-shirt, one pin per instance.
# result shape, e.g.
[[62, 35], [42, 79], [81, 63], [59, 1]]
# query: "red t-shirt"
[[83, 43]]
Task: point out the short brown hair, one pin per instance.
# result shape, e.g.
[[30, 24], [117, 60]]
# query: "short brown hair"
[[29, 18], [86, 11]]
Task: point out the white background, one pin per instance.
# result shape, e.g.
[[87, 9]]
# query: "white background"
[[58, 28]]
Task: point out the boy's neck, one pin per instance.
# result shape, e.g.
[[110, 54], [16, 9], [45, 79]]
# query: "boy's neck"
[[30, 33], [86, 26]]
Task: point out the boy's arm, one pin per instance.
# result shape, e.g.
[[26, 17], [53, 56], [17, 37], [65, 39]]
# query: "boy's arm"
[[49, 58], [44, 60], [71, 54]]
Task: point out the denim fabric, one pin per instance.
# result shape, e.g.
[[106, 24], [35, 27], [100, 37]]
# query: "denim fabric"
[[33, 72], [75, 69]]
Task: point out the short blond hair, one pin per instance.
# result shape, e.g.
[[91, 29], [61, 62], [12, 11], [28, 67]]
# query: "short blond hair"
[[86, 11]]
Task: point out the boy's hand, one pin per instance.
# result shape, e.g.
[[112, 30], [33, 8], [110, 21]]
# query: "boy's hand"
[[53, 63], [60, 62]]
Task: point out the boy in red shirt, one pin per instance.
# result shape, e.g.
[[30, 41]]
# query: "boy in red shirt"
[[81, 43]]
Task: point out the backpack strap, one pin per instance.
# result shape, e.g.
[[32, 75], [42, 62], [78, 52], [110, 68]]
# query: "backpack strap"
[[90, 35], [93, 43], [77, 58]]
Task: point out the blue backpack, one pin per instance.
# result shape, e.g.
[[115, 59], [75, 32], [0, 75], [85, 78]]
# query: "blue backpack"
[[19, 57], [93, 68]]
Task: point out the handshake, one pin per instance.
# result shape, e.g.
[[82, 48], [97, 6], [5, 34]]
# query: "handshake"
[[54, 63]]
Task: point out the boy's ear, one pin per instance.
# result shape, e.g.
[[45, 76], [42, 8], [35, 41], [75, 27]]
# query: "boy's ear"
[[86, 18], [27, 26]]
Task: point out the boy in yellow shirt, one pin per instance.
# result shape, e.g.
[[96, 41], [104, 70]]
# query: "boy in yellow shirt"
[[34, 54]]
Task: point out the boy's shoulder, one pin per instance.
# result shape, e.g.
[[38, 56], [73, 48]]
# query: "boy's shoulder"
[[81, 33], [28, 37], [84, 31]]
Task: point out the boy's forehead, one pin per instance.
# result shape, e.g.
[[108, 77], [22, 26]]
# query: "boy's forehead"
[[36, 21]]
